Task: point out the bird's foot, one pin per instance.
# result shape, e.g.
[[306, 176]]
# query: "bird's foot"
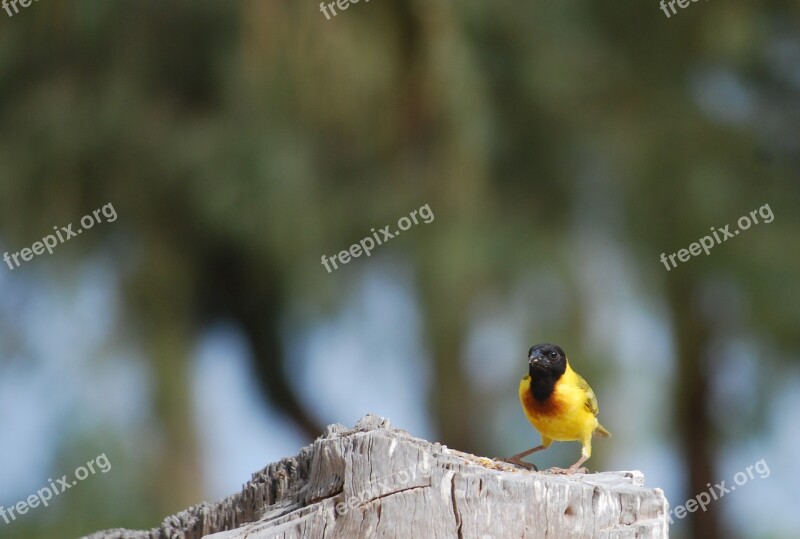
[[519, 462]]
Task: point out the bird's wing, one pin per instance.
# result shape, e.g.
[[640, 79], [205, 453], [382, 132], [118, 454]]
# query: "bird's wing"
[[591, 400]]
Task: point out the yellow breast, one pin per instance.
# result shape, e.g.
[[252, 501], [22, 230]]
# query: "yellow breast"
[[563, 416]]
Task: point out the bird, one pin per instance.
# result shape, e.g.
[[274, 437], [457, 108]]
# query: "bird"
[[559, 403]]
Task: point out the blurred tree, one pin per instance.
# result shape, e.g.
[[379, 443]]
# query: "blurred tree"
[[240, 141]]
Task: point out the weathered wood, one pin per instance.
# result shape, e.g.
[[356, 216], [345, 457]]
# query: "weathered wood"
[[375, 481]]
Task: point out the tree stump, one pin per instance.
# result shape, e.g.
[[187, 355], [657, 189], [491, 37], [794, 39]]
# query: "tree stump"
[[376, 481]]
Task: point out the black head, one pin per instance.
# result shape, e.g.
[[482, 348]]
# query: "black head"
[[546, 359]]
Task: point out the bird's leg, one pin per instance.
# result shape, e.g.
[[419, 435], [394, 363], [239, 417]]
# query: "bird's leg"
[[572, 469], [577, 466], [517, 459], [586, 452]]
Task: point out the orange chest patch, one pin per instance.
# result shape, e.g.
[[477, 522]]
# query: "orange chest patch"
[[562, 416], [551, 406]]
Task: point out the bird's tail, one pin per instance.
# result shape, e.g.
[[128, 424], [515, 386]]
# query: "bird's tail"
[[601, 432]]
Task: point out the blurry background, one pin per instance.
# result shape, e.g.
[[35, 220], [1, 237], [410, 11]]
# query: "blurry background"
[[562, 146]]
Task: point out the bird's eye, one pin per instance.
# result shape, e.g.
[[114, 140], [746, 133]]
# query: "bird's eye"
[[553, 355]]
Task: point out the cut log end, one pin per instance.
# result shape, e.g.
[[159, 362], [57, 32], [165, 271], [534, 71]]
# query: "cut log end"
[[377, 481]]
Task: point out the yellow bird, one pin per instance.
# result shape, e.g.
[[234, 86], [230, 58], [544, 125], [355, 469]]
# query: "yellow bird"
[[558, 403]]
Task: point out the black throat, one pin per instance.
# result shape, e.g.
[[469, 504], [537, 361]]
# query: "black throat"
[[543, 383]]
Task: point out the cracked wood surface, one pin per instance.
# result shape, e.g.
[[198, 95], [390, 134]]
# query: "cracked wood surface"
[[376, 481]]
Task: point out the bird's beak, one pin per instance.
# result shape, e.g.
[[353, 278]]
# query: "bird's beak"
[[536, 359]]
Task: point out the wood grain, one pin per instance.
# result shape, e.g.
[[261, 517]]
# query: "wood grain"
[[376, 481]]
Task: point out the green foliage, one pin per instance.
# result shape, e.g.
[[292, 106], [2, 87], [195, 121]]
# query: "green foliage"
[[240, 141]]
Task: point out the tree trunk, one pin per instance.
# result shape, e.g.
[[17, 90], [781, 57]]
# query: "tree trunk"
[[377, 481]]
